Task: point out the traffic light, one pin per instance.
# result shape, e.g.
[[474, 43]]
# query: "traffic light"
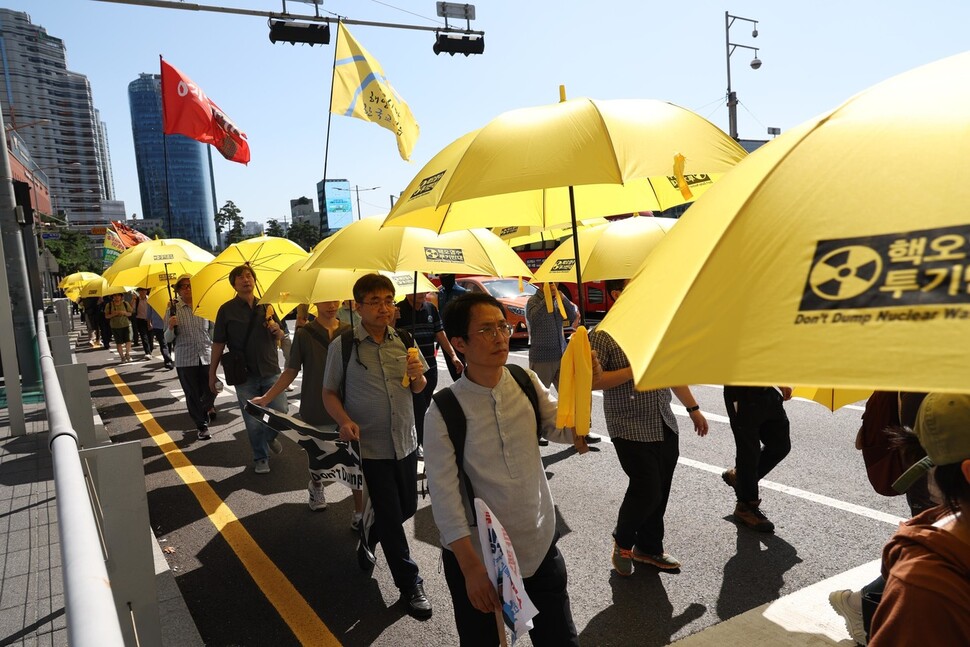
[[291, 32], [466, 44]]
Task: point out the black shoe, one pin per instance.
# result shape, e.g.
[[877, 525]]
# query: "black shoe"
[[365, 557], [418, 604], [543, 442], [204, 433], [592, 439]]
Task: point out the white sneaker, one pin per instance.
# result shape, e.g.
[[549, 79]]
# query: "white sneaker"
[[853, 619], [318, 500], [262, 466]]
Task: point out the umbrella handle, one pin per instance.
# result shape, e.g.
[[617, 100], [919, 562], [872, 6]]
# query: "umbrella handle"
[[500, 625]]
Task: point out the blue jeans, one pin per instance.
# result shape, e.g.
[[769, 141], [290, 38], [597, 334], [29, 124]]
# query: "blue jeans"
[[260, 435]]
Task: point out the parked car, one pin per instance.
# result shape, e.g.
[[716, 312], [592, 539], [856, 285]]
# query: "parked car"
[[508, 294]]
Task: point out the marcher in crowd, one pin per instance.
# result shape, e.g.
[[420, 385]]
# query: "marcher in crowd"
[[503, 466], [140, 321], [646, 438], [347, 313], [367, 394], [193, 351], [419, 316], [118, 314], [241, 323], [156, 328], [309, 354], [547, 342], [926, 564], [762, 439], [448, 291]]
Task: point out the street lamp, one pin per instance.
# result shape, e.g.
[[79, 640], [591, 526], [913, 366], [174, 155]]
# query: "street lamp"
[[729, 47], [357, 189]]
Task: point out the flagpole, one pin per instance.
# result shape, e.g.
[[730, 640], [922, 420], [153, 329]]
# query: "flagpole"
[[168, 195], [326, 146]]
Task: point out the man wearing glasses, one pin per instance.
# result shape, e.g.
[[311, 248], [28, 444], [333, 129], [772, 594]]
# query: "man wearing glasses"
[[503, 467], [373, 404], [192, 353]]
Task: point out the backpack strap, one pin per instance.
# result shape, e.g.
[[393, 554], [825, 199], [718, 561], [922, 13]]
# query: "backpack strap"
[[457, 426], [521, 376], [346, 348]]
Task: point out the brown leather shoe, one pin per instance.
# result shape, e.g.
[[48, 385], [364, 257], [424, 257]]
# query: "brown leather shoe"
[[750, 514], [730, 477]]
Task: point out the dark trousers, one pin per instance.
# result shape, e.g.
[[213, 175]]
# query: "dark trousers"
[[423, 400], [392, 486], [650, 468], [198, 397], [871, 596], [159, 336], [141, 333], [553, 627], [761, 435]]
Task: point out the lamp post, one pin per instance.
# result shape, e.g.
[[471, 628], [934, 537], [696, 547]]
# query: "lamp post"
[[729, 47], [357, 189]]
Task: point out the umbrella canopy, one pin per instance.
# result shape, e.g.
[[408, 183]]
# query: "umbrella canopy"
[[156, 262], [268, 256], [515, 236], [296, 285], [365, 245], [76, 280], [517, 166], [99, 287], [805, 266], [832, 398], [615, 250], [73, 294]]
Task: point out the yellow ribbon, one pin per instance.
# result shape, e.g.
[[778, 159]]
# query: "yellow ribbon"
[[679, 161], [576, 384]]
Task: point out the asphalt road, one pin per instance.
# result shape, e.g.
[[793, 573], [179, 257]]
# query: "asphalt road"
[[262, 569]]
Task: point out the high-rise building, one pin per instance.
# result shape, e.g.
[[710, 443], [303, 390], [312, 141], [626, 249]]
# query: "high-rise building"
[[107, 175], [301, 210], [336, 210], [52, 110], [174, 175]]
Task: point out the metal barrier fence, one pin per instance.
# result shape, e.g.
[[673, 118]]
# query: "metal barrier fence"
[[92, 620]]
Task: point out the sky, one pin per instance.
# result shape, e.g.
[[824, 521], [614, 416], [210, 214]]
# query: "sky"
[[815, 55]]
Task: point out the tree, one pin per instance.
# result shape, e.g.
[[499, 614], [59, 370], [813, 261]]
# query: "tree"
[[73, 253], [228, 219], [304, 234], [274, 228]]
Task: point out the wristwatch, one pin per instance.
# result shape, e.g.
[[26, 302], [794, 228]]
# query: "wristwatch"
[[694, 408]]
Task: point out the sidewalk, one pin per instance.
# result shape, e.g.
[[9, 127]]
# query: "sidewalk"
[[31, 589]]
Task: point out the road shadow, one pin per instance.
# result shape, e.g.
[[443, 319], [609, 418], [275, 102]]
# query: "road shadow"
[[754, 575], [640, 608]]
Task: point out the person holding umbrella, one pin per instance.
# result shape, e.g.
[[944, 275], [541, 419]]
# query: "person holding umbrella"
[[242, 325], [192, 354], [118, 315]]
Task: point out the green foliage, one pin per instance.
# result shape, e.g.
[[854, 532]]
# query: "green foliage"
[[304, 234], [228, 219], [73, 253], [274, 228]]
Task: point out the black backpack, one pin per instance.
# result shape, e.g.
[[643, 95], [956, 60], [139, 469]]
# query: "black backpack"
[[457, 424]]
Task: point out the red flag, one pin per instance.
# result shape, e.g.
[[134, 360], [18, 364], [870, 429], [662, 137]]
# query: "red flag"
[[186, 110], [128, 236]]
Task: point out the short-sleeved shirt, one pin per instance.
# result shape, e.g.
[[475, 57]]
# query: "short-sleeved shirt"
[[194, 345], [547, 342], [119, 322], [447, 295], [309, 355], [232, 322], [631, 414], [375, 397], [427, 324]]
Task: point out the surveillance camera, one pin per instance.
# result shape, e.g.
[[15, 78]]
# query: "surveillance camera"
[[754, 33], [755, 63]]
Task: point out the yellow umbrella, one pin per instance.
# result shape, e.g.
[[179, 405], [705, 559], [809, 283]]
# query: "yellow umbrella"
[[297, 286], [73, 294], [805, 265], [516, 236], [268, 256], [99, 287], [77, 279], [832, 398], [156, 262], [517, 170], [612, 251], [365, 245]]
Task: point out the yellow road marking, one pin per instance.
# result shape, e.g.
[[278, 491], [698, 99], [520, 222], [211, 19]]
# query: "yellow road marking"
[[308, 628]]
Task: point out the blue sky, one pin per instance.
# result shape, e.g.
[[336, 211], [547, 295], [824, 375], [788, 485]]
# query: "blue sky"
[[815, 56]]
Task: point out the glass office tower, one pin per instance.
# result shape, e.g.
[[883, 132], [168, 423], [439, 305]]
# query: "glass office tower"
[[174, 174]]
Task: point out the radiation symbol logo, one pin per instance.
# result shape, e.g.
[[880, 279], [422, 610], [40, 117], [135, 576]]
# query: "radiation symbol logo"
[[845, 273]]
